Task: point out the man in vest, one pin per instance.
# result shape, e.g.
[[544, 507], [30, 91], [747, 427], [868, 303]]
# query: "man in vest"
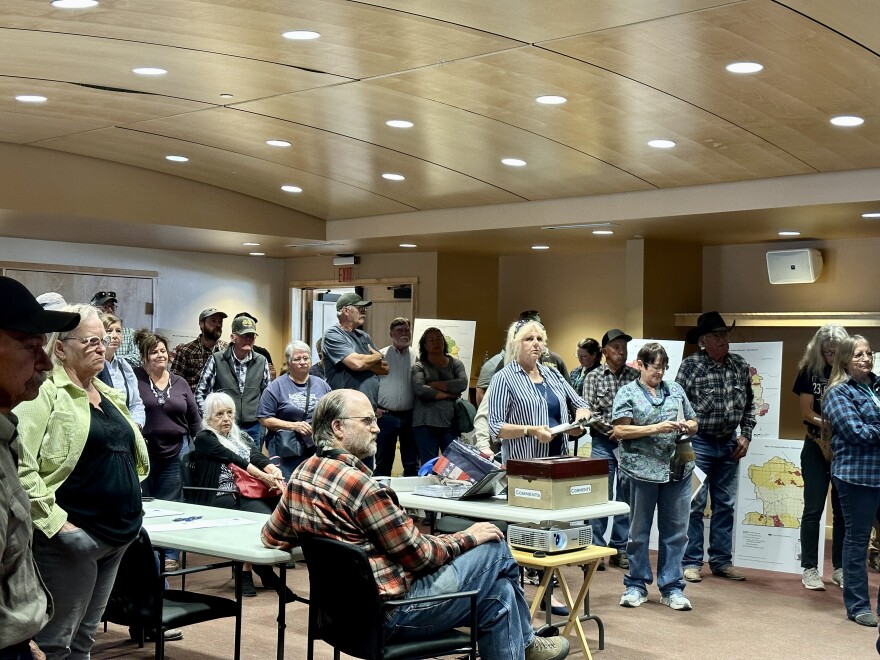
[[240, 372]]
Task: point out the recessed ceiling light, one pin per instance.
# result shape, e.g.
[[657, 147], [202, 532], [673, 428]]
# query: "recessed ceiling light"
[[744, 67], [847, 120], [408, 245], [513, 162], [872, 214], [291, 189], [301, 35], [789, 233], [177, 159], [540, 247], [602, 232], [661, 144], [257, 254], [393, 177], [278, 143], [226, 95], [149, 71], [74, 4], [31, 98], [551, 99], [399, 123], [249, 244]]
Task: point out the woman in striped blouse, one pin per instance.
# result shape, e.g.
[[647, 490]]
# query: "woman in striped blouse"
[[527, 398]]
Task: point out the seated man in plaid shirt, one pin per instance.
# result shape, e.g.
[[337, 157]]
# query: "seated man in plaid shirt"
[[333, 494]]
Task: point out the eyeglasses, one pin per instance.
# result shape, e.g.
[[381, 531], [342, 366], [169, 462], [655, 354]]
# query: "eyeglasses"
[[659, 368], [105, 294], [369, 420], [861, 355], [304, 358], [829, 352], [92, 342]]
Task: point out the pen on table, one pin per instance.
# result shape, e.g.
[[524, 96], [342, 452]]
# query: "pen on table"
[[187, 519]]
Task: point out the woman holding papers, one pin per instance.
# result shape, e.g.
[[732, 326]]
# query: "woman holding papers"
[[852, 407], [649, 415], [81, 464], [527, 399]]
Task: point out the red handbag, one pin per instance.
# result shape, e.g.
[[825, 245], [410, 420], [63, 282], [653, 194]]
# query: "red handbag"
[[248, 485]]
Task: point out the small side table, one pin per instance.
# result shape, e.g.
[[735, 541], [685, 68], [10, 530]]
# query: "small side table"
[[588, 560]]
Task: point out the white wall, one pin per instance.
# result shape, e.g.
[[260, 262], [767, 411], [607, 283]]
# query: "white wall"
[[188, 282]]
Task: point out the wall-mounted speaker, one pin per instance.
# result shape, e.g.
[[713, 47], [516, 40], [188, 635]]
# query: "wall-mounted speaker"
[[794, 266]]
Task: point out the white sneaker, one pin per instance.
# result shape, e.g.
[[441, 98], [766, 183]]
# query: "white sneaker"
[[677, 601], [812, 581], [632, 597], [837, 577]]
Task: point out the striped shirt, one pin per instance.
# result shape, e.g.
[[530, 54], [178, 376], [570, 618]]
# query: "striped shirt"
[[514, 399], [721, 394], [600, 387], [854, 413], [335, 497]]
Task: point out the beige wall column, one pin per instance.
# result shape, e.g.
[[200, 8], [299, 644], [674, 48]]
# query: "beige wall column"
[[467, 288], [662, 278]]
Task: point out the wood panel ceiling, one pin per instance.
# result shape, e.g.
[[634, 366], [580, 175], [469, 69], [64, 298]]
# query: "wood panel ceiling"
[[467, 75]]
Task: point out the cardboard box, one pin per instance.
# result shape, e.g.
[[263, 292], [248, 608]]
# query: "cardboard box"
[[545, 493]]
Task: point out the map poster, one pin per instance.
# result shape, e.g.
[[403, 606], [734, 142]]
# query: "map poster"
[[459, 338], [769, 506], [674, 350], [765, 368]]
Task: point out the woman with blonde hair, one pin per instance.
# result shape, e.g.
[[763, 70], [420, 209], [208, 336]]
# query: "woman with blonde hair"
[[852, 407], [814, 369], [527, 398]]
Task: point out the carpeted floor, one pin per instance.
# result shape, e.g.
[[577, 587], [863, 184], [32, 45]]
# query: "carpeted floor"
[[769, 616]]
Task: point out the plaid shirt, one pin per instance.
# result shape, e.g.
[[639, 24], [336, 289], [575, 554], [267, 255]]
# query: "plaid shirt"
[[337, 498], [127, 348], [189, 360], [600, 387], [854, 412], [721, 394]]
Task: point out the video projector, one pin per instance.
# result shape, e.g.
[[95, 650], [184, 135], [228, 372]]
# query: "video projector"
[[559, 537]]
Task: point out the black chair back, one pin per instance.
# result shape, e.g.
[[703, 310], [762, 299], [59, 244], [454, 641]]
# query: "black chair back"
[[344, 600], [136, 599]]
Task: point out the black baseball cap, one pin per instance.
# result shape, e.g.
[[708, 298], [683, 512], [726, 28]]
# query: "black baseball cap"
[[611, 335], [20, 311]]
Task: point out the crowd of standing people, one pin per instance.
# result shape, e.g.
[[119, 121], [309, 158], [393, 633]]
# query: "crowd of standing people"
[[105, 415]]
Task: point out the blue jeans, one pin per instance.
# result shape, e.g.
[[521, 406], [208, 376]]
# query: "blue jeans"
[[395, 425], [79, 571], [505, 627], [431, 441], [816, 472], [164, 482], [860, 506], [604, 448], [672, 501], [255, 431], [714, 457]]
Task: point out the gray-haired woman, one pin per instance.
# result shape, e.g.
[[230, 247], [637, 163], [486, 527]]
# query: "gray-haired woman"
[[82, 465], [288, 405], [220, 444]]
